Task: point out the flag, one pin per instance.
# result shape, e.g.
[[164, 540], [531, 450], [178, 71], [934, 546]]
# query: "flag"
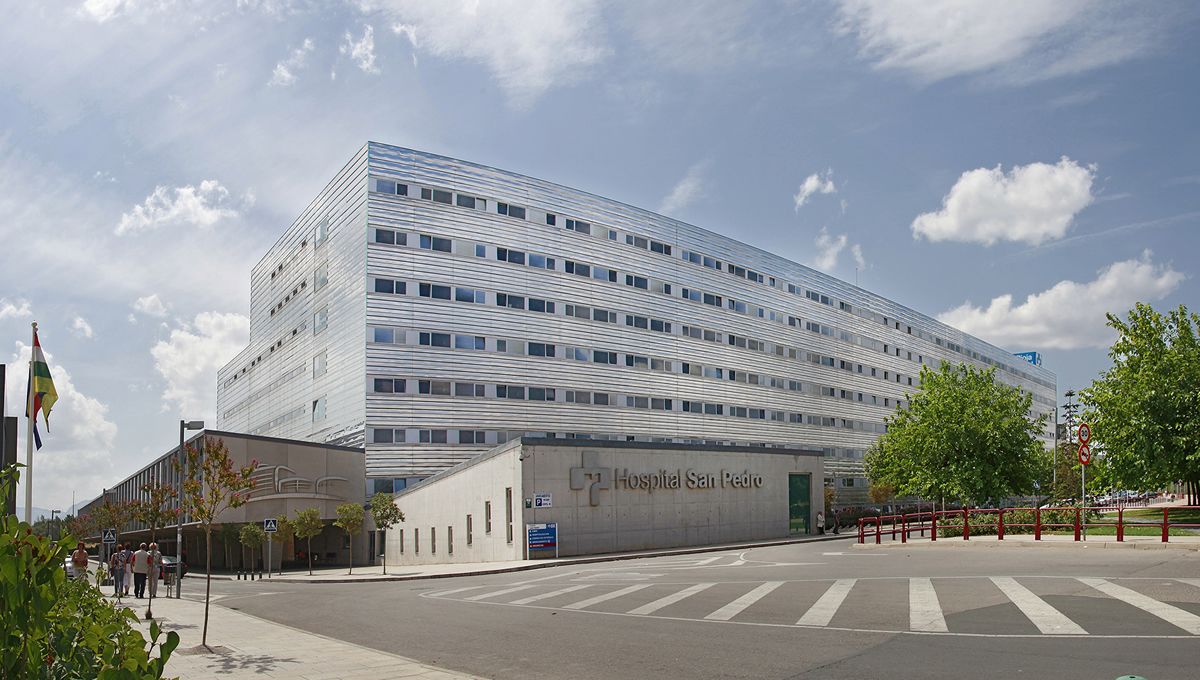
[[41, 389]]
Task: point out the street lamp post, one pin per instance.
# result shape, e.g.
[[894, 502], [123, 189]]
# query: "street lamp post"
[[183, 426], [57, 533]]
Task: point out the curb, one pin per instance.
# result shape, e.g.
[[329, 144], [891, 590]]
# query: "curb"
[[544, 564]]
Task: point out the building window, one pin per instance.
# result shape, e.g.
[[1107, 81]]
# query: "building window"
[[320, 320], [551, 219], [511, 210], [318, 410], [417, 541], [450, 540], [436, 243], [508, 512], [322, 232], [389, 385], [432, 540], [434, 339], [401, 541], [469, 295], [470, 342], [381, 335], [432, 290], [434, 387], [472, 437], [487, 517], [464, 201], [321, 364], [469, 532], [432, 436]]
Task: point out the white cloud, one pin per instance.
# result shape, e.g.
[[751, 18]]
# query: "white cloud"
[[201, 206], [151, 305], [101, 11], [362, 51], [81, 328], [686, 191], [1032, 203], [1069, 315], [17, 309], [530, 46], [78, 448], [189, 358], [285, 71], [859, 260], [1020, 40], [815, 184]]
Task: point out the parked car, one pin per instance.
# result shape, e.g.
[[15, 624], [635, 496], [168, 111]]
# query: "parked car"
[[170, 564]]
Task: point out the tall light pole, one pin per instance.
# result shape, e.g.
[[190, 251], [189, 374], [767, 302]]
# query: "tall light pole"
[[182, 472], [57, 533]]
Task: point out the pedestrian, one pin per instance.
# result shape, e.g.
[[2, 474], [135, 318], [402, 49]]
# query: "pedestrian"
[[79, 560], [155, 568], [116, 564], [128, 582], [820, 522], [141, 567]]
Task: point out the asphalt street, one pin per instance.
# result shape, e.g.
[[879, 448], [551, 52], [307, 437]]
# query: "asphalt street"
[[818, 610]]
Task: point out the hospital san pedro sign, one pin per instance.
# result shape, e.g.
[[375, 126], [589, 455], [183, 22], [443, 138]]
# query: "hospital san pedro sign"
[[672, 480]]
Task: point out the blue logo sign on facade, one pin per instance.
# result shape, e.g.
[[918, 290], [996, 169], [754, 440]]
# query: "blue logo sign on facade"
[[1034, 358]]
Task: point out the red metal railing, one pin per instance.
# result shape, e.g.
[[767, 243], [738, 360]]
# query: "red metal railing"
[[907, 524]]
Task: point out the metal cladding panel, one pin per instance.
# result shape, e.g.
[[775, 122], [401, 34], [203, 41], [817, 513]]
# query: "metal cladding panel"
[[314, 275], [763, 346]]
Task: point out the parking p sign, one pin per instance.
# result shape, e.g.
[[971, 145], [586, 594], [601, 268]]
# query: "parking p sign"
[[543, 500]]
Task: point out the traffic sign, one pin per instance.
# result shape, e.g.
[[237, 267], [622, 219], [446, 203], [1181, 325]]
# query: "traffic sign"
[[270, 525], [1085, 454], [543, 500], [110, 536], [1085, 433]]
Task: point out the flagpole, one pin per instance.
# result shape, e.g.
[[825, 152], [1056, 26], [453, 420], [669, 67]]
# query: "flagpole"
[[29, 434]]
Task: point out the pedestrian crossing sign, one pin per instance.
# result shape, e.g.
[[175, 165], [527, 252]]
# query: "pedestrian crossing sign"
[[270, 525], [110, 536]]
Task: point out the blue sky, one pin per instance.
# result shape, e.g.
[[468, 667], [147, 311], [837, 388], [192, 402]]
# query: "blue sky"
[[1017, 168]]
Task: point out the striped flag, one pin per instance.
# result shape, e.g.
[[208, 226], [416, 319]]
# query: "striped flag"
[[41, 389]]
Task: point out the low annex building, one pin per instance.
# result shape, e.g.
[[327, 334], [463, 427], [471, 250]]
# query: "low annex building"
[[540, 497]]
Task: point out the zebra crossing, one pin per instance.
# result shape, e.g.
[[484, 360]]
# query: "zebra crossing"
[[996, 606]]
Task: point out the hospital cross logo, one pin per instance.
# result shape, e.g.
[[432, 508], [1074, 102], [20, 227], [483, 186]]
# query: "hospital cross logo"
[[601, 477]]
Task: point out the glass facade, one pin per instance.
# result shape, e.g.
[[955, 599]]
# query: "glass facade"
[[479, 305]]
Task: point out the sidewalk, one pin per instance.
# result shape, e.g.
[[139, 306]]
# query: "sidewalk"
[[410, 572], [246, 646]]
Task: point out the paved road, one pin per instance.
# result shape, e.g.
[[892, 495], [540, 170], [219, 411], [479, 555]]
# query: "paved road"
[[801, 611]]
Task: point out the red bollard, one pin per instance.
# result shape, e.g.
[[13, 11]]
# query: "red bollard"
[[878, 532], [1000, 526], [1077, 524], [904, 529], [1166, 523], [966, 524], [861, 533], [933, 526], [1037, 524], [1120, 525]]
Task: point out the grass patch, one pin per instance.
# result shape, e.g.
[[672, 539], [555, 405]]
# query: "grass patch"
[[1129, 531], [1190, 516]]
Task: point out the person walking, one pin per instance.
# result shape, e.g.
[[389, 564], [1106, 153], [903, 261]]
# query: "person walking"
[[155, 568], [141, 567], [79, 560], [116, 564]]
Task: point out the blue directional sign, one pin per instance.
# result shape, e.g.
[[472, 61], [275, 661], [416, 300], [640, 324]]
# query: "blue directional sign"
[[270, 525], [542, 536]]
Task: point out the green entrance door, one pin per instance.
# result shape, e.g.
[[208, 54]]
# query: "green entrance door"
[[799, 502]]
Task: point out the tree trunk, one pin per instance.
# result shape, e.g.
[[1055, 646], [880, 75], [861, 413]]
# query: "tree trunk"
[[310, 555], [207, 581], [377, 547]]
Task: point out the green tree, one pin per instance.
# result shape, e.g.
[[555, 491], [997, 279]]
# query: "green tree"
[[963, 435], [308, 523], [284, 531], [350, 520], [212, 484], [385, 514], [156, 508], [51, 627], [252, 536], [1145, 409]]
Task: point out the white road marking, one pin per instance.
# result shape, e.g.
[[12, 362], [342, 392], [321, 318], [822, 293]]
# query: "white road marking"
[[924, 610], [707, 561], [1169, 613], [582, 604], [737, 606], [670, 599], [1047, 619], [497, 593], [822, 611], [736, 563], [552, 593], [1190, 581], [857, 554], [456, 590]]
